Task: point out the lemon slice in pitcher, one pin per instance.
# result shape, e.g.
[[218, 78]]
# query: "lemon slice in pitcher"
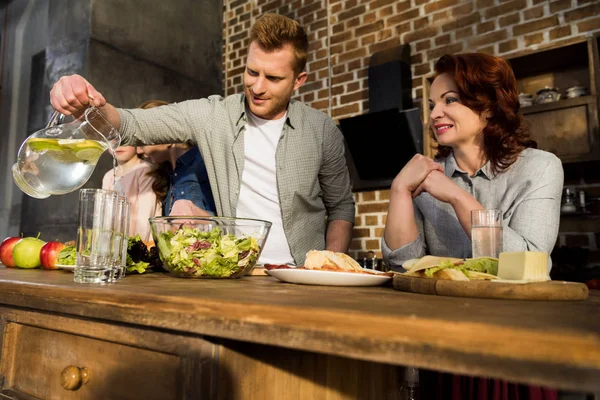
[[89, 150], [89, 154], [82, 149], [42, 144]]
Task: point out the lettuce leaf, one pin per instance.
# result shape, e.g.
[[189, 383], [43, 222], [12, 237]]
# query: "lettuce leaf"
[[139, 267], [482, 264], [67, 256], [442, 265], [211, 254]]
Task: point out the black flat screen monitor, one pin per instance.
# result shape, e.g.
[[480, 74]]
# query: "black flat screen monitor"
[[379, 144]]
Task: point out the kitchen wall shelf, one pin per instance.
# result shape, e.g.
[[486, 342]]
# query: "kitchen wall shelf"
[[568, 128], [558, 105]]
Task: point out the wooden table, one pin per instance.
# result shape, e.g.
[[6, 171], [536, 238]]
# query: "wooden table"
[[257, 336]]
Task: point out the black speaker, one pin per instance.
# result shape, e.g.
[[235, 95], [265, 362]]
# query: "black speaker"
[[379, 144], [390, 79]]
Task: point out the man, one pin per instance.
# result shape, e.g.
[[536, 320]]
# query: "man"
[[267, 156]]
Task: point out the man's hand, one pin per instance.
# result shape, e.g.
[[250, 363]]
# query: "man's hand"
[[73, 94], [186, 207]]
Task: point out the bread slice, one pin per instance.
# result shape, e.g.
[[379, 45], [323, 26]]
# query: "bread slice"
[[432, 261], [478, 276], [451, 275], [331, 261]]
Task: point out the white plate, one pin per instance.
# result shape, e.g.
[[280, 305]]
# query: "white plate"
[[328, 278], [67, 267]]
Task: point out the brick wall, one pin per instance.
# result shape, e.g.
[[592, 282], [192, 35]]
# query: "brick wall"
[[345, 33]]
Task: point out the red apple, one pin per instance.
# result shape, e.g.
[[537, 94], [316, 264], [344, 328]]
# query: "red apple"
[[49, 254], [6, 249]]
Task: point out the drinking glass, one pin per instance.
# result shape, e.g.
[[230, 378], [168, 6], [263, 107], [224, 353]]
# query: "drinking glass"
[[95, 233], [119, 240], [486, 233], [125, 229]]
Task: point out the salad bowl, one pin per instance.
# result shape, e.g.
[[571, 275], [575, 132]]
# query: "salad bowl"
[[209, 247]]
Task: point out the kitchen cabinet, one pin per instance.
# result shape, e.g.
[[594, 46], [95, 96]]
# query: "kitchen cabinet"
[[567, 127], [158, 337]]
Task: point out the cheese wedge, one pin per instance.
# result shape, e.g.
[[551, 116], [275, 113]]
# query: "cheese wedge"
[[531, 266]]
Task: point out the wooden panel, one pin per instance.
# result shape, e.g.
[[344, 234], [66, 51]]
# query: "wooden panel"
[[34, 358], [493, 290], [594, 65], [266, 372], [428, 142], [195, 353], [563, 132]]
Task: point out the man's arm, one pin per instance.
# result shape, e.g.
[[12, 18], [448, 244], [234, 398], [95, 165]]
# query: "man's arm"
[[339, 233], [73, 94], [334, 179], [168, 124]]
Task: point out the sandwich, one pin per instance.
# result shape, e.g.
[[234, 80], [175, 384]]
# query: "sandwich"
[[455, 269], [331, 261], [325, 260]]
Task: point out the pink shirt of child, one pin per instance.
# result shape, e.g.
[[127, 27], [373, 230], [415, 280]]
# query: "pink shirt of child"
[[136, 185]]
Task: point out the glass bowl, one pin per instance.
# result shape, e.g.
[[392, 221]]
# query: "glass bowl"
[[209, 247]]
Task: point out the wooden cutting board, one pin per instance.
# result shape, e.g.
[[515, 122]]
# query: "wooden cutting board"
[[552, 290]]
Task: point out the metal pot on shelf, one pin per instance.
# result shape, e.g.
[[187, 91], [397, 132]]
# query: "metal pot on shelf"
[[576, 91], [547, 95], [525, 99]]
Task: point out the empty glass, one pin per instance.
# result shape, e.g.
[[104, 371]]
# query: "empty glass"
[[121, 239], [486, 233], [95, 235]]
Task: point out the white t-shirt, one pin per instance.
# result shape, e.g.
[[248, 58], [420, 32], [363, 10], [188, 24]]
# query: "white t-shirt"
[[259, 196]]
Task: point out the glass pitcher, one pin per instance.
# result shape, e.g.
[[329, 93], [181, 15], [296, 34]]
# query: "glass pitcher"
[[61, 157]]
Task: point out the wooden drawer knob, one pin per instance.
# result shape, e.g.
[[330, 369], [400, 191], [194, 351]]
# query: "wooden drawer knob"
[[72, 377]]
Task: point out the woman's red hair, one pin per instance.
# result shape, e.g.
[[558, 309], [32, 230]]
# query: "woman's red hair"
[[487, 84]]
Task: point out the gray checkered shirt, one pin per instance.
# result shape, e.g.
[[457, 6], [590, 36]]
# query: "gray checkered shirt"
[[312, 177], [528, 193]]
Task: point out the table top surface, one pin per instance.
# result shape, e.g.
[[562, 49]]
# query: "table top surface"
[[554, 343]]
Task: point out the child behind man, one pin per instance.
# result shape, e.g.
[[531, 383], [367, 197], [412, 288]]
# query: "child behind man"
[[131, 179]]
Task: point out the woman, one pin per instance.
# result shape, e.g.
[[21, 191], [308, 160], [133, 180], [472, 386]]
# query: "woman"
[[485, 159]]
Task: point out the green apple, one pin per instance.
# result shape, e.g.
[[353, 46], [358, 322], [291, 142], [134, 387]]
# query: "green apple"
[[26, 252]]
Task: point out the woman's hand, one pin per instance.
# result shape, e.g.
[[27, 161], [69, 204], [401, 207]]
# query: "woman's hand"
[[415, 172], [441, 187]]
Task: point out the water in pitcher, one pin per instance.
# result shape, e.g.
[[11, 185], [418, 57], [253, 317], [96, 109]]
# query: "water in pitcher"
[[60, 158], [59, 166], [487, 241]]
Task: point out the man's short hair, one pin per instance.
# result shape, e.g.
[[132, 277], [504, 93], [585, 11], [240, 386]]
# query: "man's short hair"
[[273, 31]]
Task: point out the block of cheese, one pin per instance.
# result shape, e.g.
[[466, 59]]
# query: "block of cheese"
[[529, 266]]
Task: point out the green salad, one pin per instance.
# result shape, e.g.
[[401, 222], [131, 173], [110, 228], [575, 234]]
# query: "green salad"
[[67, 256], [190, 252], [486, 265]]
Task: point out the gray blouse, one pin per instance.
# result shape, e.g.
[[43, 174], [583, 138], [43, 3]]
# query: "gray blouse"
[[528, 193]]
